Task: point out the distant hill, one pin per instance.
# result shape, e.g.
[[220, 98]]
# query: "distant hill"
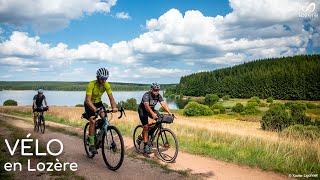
[[70, 86], [296, 77]]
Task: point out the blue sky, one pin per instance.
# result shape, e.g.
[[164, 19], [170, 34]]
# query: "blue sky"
[[145, 41]]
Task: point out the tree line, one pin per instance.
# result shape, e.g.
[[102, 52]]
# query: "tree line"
[[70, 86], [290, 78]]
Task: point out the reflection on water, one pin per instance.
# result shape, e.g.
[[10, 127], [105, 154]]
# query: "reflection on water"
[[72, 98]]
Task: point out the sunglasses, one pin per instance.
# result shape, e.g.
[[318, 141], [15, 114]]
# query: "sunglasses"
[[156, 90], [103, 78]]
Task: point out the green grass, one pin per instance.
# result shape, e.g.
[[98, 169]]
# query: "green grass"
[[280, 156]]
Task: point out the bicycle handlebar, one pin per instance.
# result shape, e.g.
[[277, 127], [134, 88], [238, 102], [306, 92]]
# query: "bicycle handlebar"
[[99, 110]]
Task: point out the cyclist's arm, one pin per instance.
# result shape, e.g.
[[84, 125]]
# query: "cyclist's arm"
[[112, 102], [34, 104], [149, 110], [89, 103], [165, 107], [45, 102]]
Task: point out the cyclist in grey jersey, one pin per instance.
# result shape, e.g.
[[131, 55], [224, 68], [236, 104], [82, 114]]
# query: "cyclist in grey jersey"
[[146, 109]]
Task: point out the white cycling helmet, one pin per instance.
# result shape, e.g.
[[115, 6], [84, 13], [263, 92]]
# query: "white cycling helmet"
[[40, 91], [103, 73]]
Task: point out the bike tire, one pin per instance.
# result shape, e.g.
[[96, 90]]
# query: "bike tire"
[[136, 133], [86, 140], [167, 135], [113, 149], [42, 124]]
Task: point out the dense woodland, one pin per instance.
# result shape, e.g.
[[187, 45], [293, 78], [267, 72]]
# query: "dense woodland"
[[289, 78], [69, 86]]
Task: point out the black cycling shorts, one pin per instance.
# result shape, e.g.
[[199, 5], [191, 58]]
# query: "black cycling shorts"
[[89, 110], [143, 115]]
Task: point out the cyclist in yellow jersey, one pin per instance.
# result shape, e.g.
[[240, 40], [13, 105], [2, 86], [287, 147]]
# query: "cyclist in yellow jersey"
[[93, 101]]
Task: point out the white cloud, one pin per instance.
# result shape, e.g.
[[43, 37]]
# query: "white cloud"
[[176, 44], [123, 15], [46, 15]]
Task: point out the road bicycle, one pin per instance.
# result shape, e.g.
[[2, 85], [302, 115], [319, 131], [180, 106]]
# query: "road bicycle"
[[107, 137], [166, 140], [40, 122]]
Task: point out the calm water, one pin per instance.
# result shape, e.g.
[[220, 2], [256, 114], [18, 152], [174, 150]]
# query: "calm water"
[[72, 98]]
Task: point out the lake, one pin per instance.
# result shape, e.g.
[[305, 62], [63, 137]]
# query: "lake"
[[72, 98]]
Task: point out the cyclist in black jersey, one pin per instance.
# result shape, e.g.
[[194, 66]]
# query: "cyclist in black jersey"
[[146, 109], [38, 99]]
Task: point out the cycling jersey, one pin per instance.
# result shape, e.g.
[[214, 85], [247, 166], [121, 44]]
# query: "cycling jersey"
[[97, 91], [149, 97], [39, 100]]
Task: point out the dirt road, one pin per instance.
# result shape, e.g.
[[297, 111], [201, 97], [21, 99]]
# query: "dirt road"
[[133, 168]]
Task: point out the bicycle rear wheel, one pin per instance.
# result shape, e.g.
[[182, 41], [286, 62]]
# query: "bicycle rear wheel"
[[167, 145], [86, 140], [138, 139], [113, 151], [42, 124]]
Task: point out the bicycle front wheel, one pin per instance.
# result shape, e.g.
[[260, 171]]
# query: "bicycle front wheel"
[[86, 140], [138, 139], [42, 124], [112, 148], [167, 145]]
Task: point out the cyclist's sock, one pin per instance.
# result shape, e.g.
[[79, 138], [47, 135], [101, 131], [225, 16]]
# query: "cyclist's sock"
[[91, 140]]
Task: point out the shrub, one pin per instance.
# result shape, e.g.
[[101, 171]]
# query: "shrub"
[[275, 118], [210, 99], [300, 131], [311, 106], [263, 105], [250, 109], [196, 109], [130, 104], [300, 104], [79, 105], [216, 111], [105, 105], [255, 98], [238, 108], [252, 103], [221, 108], [161, 109], [278, 105], [269, 100], [171, 96], [226, 97], [10, 102], [299, 117]]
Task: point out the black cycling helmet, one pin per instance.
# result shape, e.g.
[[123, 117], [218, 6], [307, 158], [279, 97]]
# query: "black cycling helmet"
[[155, 86], [103, 73]]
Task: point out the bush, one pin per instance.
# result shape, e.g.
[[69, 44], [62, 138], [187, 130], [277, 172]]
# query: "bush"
[[161, 109], [226, 97], [210, 99], [269, 100], [10, 102], [238, 108], [106, 105], [130, 104], [255, 98], [300, 131], [79, 105], [275, 118], [216, 111], [278, 105], [221, 109], [300, 104], [311, 106], [252, 103], [196, 109], [171, 96], [263, 105], [250, 109]]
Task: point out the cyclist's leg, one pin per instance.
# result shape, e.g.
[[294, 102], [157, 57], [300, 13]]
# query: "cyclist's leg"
[[35, 116], [144, 121], [92, 123]]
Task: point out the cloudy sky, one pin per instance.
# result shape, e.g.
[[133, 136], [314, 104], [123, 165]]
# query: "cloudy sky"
[[143, 41]]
